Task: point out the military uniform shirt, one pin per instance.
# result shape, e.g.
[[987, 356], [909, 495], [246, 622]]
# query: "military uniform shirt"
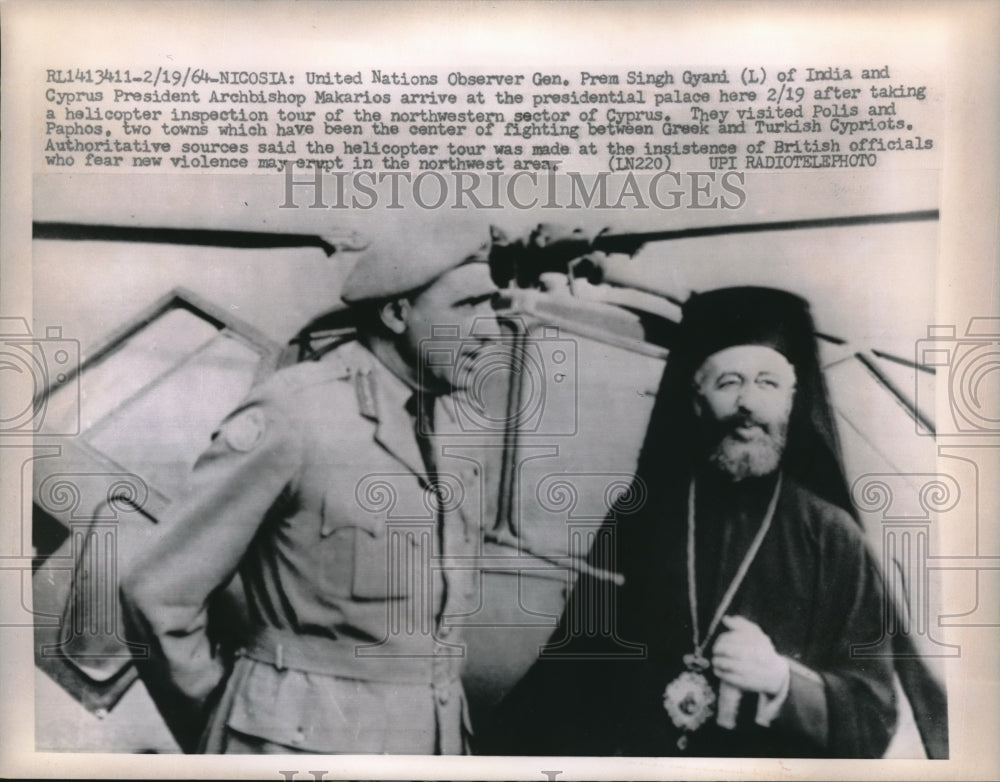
[[316, 491]]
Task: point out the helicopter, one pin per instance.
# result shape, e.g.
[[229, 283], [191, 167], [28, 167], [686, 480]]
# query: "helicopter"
[[588, 320]]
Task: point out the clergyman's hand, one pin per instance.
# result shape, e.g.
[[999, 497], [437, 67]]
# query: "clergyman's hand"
[[744, 657]]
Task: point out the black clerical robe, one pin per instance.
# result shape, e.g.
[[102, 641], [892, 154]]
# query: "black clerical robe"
[[813, 587]]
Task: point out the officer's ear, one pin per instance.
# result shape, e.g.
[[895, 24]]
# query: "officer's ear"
[[394, 314]]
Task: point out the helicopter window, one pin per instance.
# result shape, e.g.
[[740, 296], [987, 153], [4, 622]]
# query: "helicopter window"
[[167, 377], [132, 366], [217, 375]]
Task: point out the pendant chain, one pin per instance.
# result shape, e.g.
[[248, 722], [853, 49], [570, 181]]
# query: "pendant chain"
[[741, 572]]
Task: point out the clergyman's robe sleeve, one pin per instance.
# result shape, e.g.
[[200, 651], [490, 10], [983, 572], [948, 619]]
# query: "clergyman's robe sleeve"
[[841, 695]]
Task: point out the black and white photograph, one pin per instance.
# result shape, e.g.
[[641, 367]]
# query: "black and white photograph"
[[546, 391]]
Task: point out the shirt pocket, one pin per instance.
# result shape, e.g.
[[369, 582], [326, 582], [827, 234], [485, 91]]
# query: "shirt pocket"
[[372, 556]]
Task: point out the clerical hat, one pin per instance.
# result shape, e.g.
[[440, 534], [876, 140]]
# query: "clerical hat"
[[723, 318]]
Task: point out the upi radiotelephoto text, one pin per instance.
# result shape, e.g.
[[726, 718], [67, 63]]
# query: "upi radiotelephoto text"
[[645, 121]]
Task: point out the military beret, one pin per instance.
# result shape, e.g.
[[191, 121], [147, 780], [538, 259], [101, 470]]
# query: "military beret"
[[405, 260]]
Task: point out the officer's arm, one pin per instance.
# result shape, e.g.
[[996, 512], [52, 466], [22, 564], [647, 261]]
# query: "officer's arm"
[[198, 548]]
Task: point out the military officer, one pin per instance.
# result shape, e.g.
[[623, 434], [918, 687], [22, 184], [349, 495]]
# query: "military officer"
[[322, 490]]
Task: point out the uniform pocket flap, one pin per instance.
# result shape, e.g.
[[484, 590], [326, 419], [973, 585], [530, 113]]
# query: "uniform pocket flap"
[[380, 503], [340, 513], [369, 556]]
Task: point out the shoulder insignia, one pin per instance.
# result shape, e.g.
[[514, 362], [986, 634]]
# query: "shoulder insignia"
[[335, 365], [243, 431], [346, 360], [364, 385]]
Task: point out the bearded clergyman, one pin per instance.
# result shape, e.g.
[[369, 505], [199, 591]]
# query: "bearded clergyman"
[[746, 588]]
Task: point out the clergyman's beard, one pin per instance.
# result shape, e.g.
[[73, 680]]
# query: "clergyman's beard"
[[742, 457]]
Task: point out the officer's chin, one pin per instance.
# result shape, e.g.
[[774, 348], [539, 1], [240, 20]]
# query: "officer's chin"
[[445, 383], [459, 383], [462, 377]]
